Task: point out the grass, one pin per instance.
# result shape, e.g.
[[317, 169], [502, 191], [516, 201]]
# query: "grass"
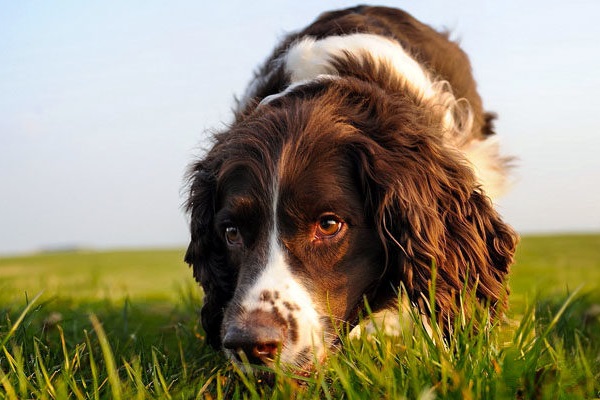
[[124, 325]]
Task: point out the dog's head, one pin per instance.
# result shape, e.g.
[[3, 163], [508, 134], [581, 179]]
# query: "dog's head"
[[329, 195]]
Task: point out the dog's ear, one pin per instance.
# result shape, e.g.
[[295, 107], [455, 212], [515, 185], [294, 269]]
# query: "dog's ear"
[[429, 210], [205, 253]]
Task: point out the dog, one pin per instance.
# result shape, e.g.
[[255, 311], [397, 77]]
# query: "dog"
[[359, 159]]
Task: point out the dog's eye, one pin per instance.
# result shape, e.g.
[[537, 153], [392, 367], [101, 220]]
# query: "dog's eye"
[[233, 236], [328, 226]]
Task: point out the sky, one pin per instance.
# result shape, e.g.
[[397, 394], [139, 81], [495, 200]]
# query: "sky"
[[104, 104]]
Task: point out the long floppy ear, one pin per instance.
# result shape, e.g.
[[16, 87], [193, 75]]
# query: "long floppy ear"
[[429, 210], [205, 254]]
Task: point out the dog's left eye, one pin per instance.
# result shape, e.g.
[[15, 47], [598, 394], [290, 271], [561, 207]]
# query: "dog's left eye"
[[328, 226]]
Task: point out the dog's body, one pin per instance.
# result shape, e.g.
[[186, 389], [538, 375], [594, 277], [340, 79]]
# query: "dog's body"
[[360, 156]]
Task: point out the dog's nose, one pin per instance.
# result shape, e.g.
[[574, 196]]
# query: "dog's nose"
[[260, 339]]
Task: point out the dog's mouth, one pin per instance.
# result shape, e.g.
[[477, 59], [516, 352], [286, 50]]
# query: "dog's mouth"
[[267, 371], [269, 356]]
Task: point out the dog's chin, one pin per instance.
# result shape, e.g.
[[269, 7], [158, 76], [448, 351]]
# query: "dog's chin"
[[300, 370], [268, 377]]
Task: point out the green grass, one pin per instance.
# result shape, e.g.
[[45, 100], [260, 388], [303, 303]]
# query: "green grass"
[[125, 325]]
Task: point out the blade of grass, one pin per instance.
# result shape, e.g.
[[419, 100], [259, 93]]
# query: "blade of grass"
[[75, 366], [109, 360], [585, 366], [219, 386], [161, 379], [204, 387], [182, 358], [67, 363], [560, 312], [8, 387], [135, 374], [19, 364], [243, 373], [19, 320], [93, 367], [41, 372], [68, 366]]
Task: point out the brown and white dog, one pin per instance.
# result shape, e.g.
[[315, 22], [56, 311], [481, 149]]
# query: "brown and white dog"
[[359, 157]]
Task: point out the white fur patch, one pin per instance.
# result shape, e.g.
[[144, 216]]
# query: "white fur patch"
[[277, 278], [393, 321], [293, 86], [387, 321], [485, 160], [309, 58]]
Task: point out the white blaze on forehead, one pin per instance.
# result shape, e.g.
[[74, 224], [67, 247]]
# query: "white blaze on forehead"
[[277, 277]]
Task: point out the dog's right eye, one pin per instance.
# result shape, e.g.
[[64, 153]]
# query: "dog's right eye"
[[233, 236]]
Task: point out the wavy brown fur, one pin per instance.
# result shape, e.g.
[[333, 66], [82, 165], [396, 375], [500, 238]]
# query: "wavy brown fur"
[[420, 195]]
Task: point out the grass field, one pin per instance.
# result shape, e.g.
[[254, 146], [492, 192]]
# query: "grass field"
[[91, 325]]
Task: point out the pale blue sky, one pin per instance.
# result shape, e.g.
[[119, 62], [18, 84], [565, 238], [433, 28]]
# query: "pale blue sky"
[[103, 104]]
